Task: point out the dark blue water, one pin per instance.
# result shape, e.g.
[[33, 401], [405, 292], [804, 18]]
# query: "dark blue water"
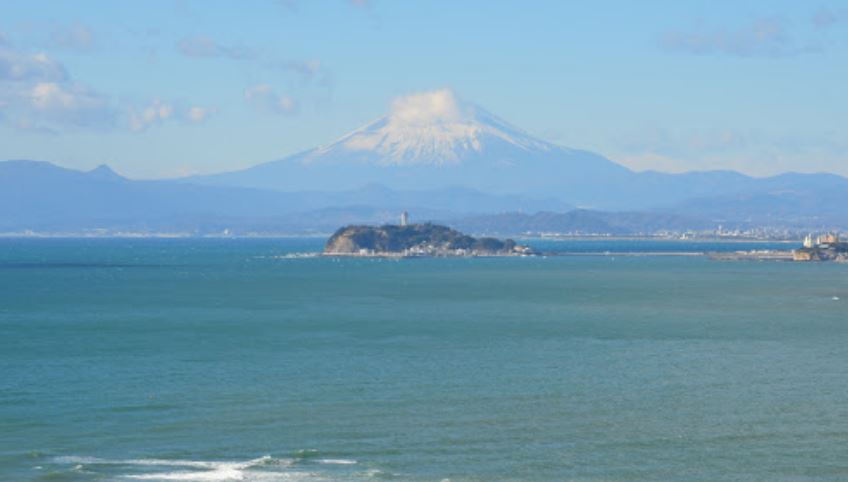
[[226, 360], [636, 246]]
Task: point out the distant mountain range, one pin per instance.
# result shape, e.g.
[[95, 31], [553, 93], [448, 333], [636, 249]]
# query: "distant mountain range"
[[42, 197], [439, 140], [435, 156]]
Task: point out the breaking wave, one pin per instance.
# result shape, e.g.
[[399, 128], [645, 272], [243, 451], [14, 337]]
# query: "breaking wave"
[[304, 465]]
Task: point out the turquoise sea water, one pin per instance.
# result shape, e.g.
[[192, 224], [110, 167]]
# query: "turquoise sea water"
[[225, 360]]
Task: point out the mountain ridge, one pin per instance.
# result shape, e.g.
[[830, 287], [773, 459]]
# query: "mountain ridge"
[[433, 139], [40, 196]]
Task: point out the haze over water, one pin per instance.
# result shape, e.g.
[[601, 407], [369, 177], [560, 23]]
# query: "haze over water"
[[224, 360]]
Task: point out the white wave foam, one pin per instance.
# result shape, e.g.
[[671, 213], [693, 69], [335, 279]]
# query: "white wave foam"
[[337, 461], [221, 471], [225, 475], [74, 459], [211, 475], [296, 255]]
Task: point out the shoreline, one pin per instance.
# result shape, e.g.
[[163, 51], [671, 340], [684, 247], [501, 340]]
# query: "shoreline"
[[565, 254], [178, 235]]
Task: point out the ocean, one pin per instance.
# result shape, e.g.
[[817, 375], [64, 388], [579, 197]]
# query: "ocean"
[[232, 360]]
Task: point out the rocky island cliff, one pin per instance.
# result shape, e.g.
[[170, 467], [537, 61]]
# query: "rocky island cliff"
[[416, 240]]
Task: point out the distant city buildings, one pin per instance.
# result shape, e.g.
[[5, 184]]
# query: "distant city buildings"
[[404, 218]]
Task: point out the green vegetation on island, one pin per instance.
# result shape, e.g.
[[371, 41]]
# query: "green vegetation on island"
[[416, 240]]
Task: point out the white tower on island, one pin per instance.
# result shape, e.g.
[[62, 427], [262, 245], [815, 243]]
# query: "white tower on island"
[[404, 218], [808, 241]]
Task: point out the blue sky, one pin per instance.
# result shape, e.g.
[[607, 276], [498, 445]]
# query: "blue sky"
[[167, 88]]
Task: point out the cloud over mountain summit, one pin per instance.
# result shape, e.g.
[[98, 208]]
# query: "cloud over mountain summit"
[[434, 127]]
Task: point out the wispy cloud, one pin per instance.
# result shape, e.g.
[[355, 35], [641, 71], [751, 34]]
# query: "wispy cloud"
[[199, 114], [308, 71], [19, 66], [37, 94], [72, 104], [764, 37], [263, 97], [74, 37], [35, 87], [203, 46], [158, 112], [306, 81]]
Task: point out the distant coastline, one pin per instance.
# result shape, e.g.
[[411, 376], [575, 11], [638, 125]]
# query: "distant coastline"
[[327, 234]]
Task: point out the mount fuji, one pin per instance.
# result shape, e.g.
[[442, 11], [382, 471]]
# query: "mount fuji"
[[434, 140]]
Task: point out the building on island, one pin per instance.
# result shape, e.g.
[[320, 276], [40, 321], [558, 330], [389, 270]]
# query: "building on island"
[[808, 241], [404, 218], [826, 247], [828, 239]]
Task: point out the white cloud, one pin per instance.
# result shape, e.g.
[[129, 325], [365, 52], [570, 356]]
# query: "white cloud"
[[35, 91], [36, 95], [427, 108], [153, 114], [263, 97], [70, 104], [23, 66], [158, 112], [48, 95], [199, 114], [435, 128]]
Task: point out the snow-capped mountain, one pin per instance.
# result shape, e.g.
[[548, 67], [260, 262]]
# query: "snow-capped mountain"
[[429, 141], [433, 140], [431, 128]]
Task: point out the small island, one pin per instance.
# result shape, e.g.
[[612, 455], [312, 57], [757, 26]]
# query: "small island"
[[827, 247], [416, 240]]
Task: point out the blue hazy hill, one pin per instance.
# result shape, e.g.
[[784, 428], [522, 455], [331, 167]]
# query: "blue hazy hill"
[[41, 196]]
